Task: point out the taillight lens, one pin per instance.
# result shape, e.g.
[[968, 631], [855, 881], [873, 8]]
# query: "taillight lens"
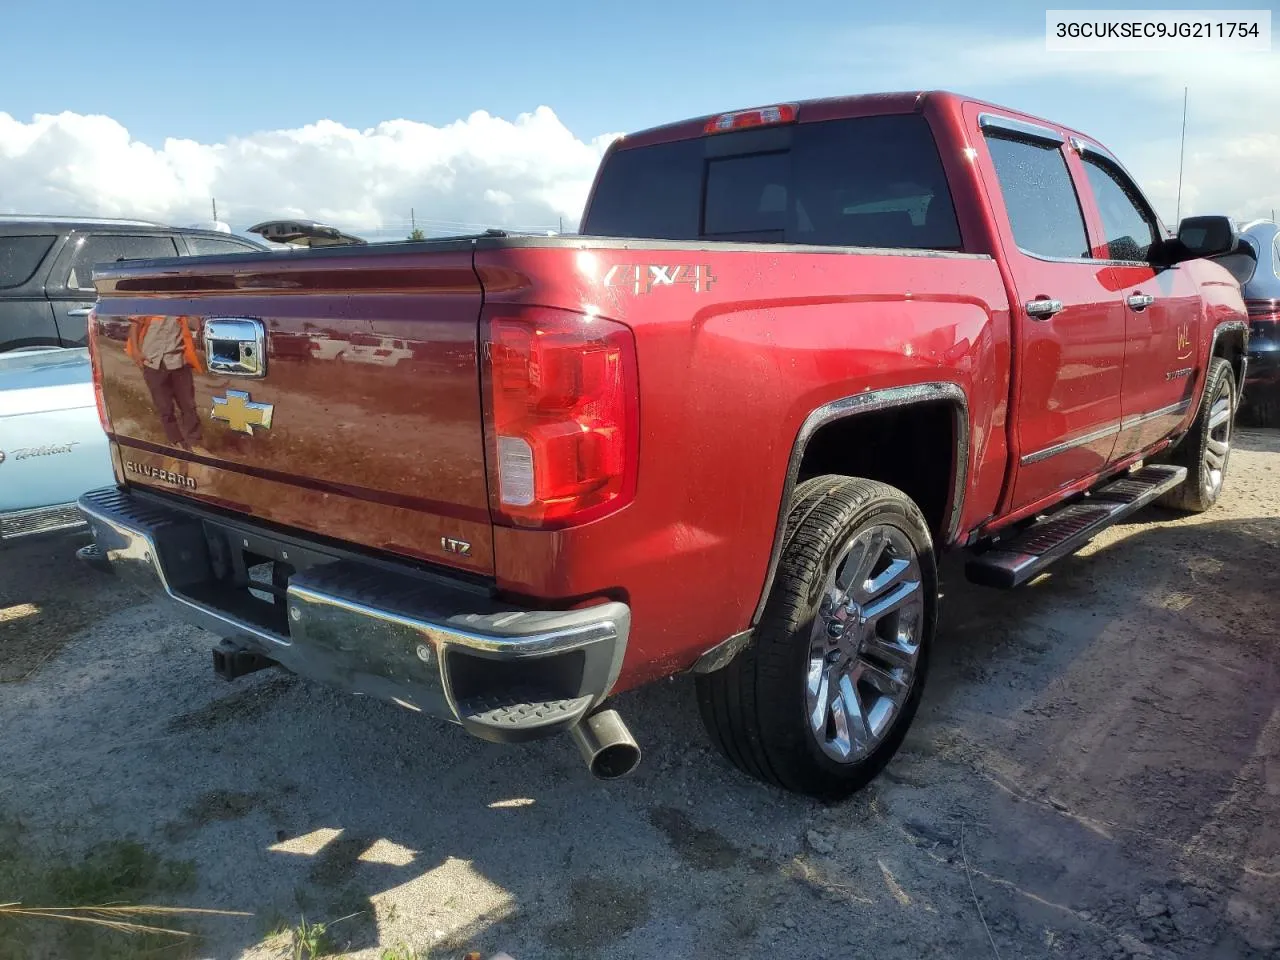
[[562, 416], [92, 339]]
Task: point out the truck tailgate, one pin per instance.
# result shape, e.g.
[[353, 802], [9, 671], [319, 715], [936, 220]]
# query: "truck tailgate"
[[365, 423]]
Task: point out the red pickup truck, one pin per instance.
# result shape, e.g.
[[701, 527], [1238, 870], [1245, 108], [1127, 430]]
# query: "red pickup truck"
[[795, 353]]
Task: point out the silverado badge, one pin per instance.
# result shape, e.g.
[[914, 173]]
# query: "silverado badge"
[[239, 411]]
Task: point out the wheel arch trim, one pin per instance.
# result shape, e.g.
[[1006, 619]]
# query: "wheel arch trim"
[[1227, 326], [875, 401]]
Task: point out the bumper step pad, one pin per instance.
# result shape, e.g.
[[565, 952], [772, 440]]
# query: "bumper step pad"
[[29, 523], [1025, 555], [519, 716]]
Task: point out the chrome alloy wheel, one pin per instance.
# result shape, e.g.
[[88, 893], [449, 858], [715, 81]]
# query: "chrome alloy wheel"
[[1219, 443], [865, 643]]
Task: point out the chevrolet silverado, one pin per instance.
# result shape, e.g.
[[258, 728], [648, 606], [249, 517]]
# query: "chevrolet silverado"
[[795, 353]]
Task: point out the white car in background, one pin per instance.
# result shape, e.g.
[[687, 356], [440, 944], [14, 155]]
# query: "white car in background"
[[52, 446]]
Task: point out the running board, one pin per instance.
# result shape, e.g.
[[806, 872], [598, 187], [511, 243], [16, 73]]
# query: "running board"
[[1011, 563]]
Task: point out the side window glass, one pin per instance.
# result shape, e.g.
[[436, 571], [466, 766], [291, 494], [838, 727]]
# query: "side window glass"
[[108, 248], [1130, 228], [1044, 210], [207, 246], [19, 257]]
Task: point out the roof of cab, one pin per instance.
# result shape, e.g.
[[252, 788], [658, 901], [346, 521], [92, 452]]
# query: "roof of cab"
[[832, 108]]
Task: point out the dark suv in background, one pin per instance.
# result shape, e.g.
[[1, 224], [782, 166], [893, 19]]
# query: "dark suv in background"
[[1255, 263], [46, 269]]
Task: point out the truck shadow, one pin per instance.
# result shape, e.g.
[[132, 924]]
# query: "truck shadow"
[[1106, 734]]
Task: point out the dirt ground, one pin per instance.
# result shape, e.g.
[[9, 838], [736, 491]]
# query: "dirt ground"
[[1095, 773]]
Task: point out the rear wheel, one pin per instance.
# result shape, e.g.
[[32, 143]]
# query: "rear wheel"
[[1206, 449], [821, 699]]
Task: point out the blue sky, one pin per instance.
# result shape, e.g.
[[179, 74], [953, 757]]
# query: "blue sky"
[[233, 68], [215, 71]]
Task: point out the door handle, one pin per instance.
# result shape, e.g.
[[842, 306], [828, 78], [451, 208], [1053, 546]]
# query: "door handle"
[[80, 312], [1140, 301], [1043, 309]]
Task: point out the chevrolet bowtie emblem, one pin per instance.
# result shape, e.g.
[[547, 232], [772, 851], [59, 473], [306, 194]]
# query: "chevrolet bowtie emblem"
[[241, 413]]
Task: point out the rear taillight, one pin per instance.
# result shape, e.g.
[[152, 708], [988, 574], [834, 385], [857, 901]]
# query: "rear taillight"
[[759, 117], [561, 416], [96, 367]]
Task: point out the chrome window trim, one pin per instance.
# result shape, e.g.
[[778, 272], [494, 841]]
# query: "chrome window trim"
[[1098, 261], [1023, 128], [873, 401], [1086, 149]]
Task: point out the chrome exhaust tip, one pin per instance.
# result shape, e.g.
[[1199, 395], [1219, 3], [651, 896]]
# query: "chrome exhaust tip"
[[606, 745]]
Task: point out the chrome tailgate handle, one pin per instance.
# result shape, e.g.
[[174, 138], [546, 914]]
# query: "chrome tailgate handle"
[[235, 347]]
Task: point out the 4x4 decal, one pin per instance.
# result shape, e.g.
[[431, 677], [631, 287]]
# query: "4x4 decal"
[[644, 277]]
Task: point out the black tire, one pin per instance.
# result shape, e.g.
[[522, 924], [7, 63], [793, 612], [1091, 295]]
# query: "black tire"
[[755, 708], [1201, 489]]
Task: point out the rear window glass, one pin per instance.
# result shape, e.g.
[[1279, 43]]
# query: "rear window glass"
[[19, 257], [861, 182]]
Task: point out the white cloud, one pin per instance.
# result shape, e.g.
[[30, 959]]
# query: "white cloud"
[[481, 171]]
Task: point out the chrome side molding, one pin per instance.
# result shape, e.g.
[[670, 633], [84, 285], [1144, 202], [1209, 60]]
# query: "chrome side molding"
[[1110, 430]]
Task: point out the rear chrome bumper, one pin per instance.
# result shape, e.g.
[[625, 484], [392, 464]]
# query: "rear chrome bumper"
[[397, 633], [60, 518]]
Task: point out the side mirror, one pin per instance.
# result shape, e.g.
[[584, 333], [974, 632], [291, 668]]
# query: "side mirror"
[[1209, 236]]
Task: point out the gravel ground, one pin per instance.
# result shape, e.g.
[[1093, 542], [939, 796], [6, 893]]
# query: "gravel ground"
[[1095, 773]]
